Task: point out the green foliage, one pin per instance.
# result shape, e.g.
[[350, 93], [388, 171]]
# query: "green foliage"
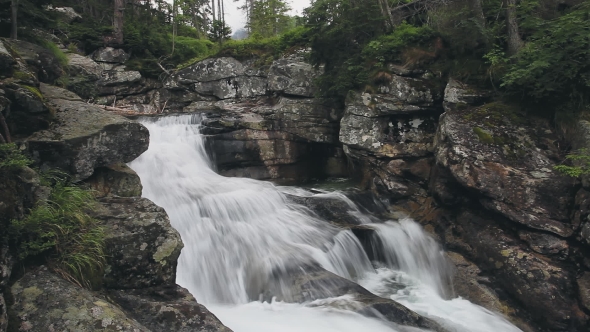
[[266, 49], [553, 69], [388, 48], [60, 229], [12, 158], [88, 34], [219, 31], [581, 161], [61, 57], [269, 18]]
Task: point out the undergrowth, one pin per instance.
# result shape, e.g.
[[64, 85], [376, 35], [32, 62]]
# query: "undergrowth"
[[60, 231]]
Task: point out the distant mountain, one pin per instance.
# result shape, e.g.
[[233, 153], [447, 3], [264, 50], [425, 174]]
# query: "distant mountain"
[[240, 34]]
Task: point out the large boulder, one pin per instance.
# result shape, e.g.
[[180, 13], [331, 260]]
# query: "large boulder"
[[110, 55], [493, 151], [85, 137], [234, 87], [45, 302], [142, 247], [170, 308], [544, 287], [7, 61], [292, 76], [213, 69], [40, 60], [115, 180], [27, 111]]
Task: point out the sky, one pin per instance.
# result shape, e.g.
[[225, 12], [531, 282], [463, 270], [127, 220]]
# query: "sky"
[[236, 18]]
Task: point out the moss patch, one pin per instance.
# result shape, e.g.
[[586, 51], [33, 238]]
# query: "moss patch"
[[483, 135], [34, 90], [21, 75]]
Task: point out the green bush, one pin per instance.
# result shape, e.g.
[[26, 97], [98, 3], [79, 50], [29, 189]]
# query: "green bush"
[[553, 70], [11, 158], [60, 230], [581, 161]]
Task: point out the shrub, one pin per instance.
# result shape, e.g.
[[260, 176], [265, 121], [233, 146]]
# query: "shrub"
[[61, 57], [11, 158], [60, 230]]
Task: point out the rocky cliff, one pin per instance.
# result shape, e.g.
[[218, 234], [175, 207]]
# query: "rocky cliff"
[[472, 169], [60, 130]]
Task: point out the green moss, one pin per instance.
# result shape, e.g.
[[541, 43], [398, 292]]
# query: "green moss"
[[21, 75], [11, 157], [34, 90], [483, 136]]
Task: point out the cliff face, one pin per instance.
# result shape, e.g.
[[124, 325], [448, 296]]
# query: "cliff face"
[[59, 130]]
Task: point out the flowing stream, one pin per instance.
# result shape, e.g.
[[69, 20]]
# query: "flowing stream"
[[239, 232]]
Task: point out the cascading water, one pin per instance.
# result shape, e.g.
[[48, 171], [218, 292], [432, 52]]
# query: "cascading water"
[[239, 232]]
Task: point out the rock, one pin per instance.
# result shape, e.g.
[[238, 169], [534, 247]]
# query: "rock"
[[110, 55], [142, 247], [460, 93], [66, 14], [545, 244], [392, 137], [6, 61], [584, 290], [544, 287], [85, 137], [45, 302], [3, 314], [332, 209], [117, 180], [308, 283], [83, 66], [492, 151], [164, 309], [292, 76], [40, 60], [212, 69], [235, 87], [115, 77], [28, 112]]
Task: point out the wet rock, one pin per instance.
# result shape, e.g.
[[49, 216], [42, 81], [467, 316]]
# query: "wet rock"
[[110, 55], [85, 137], [164, 309], [544, 287], [117, 180], [492, 151], [45, 302], [329, 208], [309, 283], [40, 60], [292, 76], [142, 247]]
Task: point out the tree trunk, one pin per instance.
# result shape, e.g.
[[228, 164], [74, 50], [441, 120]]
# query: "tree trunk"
[[6, 138], [222, 14], [514, 40], [118, 21], [213, 12], [386, 12], [13, 18], [478, 12]]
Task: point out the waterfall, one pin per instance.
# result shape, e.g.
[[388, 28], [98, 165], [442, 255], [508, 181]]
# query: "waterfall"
[[239, 232]]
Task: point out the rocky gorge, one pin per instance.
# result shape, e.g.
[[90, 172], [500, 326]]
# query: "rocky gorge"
[[470, 168]]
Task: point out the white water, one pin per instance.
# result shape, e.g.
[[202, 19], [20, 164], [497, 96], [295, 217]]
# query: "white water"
[[239, 234]]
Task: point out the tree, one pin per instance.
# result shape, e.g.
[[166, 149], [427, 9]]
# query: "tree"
[[219, 31], [269, 18], [119, 7], [13, 19], [514, 41]]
